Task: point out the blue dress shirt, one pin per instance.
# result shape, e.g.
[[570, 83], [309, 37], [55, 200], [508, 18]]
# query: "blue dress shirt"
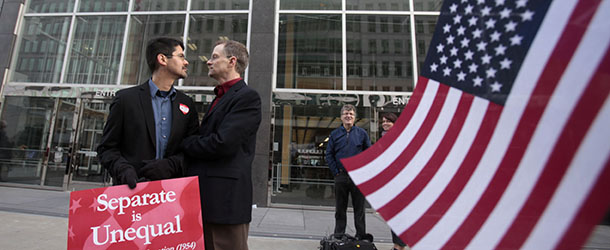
[[162, 110]]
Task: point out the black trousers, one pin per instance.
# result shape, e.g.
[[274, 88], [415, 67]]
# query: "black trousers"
[[343, 188]]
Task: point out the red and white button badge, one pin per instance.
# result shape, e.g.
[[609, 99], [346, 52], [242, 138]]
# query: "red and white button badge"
[[185, 109]]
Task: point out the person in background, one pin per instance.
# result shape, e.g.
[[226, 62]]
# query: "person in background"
[[221, 154], [387, 122], [147, 123], [346, 141]]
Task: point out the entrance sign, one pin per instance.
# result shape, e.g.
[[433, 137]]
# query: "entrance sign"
[[155, 215]]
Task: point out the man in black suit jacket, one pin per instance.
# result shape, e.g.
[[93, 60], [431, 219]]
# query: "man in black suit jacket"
[[147, 123], [222, 152]]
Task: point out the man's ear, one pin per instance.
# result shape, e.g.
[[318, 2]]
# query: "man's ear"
[[162, 59]]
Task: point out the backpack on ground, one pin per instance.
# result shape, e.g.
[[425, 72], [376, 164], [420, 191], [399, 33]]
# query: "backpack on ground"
[[347, 242]]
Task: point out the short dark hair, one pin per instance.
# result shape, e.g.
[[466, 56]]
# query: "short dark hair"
[[390, 117], [239, 51], [160, 45]]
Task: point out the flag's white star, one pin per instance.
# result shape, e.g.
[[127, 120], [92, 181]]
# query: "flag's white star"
[[510, 26], [527, 15], [486, 59], [486, 11], [490, 24], [521, 3], [495, 87], [478, 81], [516, 40], [468, 9], [499, 2], [500, 50], [473, 67], [465, 42], [461, 30], [468, 55], [453, 8], [491, 73], [505, 64], [481, 46], [480, 1], [446, 71], [461, 76], [443, 59], [472, 21], [446, 28], [439, 48], [464, 1], [433, 67], [457, 63], [477, 33], [505, 13], [450, 39], [454, 51], [495, 36], [457, 19]]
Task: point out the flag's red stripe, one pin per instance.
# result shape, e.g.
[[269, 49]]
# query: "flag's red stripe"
[[409, 152], [417, 185], [547, 83], [572, 135], [380, 146], [591, 212], [459, 180]]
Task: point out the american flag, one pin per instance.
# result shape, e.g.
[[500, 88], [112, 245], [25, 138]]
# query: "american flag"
[[505, 142]]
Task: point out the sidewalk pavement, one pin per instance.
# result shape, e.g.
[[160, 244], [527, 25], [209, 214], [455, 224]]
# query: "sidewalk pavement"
[[28, 214]]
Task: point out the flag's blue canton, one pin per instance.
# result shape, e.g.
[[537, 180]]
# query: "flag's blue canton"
[[479, 45]]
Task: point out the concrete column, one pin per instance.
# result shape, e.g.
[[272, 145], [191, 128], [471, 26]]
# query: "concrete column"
[[260, 78]]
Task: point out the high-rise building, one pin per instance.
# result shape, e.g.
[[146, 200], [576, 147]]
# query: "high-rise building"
[[64, 60]]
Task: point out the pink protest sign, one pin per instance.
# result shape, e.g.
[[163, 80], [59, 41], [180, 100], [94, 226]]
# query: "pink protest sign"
[[156, 215]]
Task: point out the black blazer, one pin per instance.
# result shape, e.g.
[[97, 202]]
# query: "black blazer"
[[129, 134], [222, 153]]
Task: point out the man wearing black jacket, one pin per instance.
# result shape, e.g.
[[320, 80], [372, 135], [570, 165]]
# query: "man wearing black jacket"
[[148, 122], [221, 153]]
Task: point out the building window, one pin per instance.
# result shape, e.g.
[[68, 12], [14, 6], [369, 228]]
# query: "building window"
[[379, 48], [312, 41], [159, 5], [96, 50], [310, 5], [45, 64]]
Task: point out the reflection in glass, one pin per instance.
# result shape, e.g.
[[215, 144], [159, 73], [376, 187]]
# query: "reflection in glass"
[[49, 6], [378, 58], [159, 5], [300, 174], [141, 29], [424, 30], [40, 51], [388, 5], [26, 134], [204, 31], [106, 5], [310, 5], [427, 5], [86, 164], [96, 50], [309, 52], [220, 4]]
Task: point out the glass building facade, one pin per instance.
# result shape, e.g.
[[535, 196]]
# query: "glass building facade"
[[308, 58]]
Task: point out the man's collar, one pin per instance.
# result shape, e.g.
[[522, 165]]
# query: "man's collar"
[[154, 89]]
